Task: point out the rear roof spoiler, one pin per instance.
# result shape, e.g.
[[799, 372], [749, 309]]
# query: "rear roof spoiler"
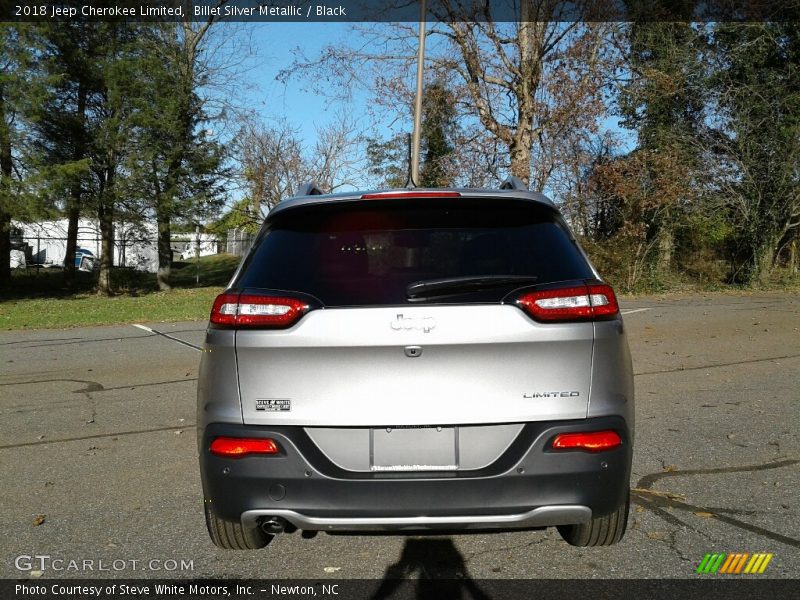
[[310, 189], [514, 183]]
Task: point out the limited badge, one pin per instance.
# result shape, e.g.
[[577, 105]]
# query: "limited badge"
[[274, 404]]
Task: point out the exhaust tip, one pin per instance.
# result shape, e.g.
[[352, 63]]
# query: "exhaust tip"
[[273, 525]]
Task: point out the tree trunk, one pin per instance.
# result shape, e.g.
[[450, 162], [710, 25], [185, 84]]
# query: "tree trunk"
[[73, 214], [105, 215], [520, 151], [5, 246], [529, 35], [666, 244], [5, 191], [74, 201], [164, 250], [763, 261]]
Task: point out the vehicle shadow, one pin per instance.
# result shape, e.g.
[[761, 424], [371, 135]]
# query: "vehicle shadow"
[[437, 569]]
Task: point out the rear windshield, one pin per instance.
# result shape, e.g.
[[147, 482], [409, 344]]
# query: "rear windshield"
[[368, 254]]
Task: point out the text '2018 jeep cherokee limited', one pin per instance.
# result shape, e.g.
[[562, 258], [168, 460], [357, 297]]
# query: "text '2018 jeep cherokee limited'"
[[415, 360]]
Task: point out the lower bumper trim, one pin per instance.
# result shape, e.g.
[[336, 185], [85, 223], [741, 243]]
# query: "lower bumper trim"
[[543, 516]]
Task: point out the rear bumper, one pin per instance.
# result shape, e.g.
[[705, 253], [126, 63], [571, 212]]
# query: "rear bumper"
[[527, 486]]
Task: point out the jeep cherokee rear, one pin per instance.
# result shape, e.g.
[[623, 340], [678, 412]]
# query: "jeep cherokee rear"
[[415, 359]]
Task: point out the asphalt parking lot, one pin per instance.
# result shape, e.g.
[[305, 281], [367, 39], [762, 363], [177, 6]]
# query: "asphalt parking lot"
[[98, 438]]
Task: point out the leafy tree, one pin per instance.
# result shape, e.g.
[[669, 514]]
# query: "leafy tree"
[[756, 92], [182, 153], [9, 56], [388, 159], [70, 62], [631, 196], [176, 166], [438, 126], [664, 103]]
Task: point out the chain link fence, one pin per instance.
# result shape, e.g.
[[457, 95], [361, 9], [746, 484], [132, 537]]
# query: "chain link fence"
[[238, 241]]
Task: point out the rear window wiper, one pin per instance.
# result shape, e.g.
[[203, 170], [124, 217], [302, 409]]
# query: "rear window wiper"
[[453, 285]]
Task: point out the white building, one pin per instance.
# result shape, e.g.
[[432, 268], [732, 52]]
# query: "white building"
[[189, 244], [135, 245]]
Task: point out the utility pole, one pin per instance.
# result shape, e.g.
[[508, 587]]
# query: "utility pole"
[[415, 141]]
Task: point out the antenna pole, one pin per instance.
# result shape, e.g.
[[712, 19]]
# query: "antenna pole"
[[415, 142]]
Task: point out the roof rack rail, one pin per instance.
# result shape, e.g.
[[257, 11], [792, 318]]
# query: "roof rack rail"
[[513, 183], [310, 189]]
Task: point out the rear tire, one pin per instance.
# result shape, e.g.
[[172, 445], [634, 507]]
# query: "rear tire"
[[232, 536], [601, 531]]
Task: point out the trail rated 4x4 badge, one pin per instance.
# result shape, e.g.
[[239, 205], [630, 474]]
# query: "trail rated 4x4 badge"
[[274, 404]]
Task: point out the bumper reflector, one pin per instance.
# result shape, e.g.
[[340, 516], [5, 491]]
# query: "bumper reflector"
[[239, 447], [592, 441]]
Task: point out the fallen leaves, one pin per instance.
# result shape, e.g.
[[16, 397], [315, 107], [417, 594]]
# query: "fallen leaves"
[[39, 520], [703, 514], [670, 495]]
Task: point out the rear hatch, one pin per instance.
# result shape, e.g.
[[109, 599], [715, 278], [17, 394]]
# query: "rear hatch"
[[412, 316]]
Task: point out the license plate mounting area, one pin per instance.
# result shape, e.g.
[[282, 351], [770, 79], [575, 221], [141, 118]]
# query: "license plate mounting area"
[[413, 448]]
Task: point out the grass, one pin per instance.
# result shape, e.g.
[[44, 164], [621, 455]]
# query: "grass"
[[91, 309], [40, 301]]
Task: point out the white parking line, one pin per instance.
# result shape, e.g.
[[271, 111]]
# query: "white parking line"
[[634, 310], [169, 337]]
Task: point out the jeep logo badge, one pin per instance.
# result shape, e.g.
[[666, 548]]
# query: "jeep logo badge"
[[400, 322]]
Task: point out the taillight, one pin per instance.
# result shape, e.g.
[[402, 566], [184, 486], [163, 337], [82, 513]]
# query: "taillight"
[[575, 303], [224, 310], [257, 311], [238, 447], [411, 194], [593, 441]]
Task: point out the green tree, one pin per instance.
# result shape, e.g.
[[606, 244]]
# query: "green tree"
[[70, 69], [664, 103], [10, 66], [182, 155], [16, 85], [388, 159], [756, 93], [438, 127], [176, 165]]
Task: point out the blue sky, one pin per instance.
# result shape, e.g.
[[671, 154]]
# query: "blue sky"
[[275, 100], [274, 44]]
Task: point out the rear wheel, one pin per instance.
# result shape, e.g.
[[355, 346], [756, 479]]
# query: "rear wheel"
[[601, 531], [232, 536]]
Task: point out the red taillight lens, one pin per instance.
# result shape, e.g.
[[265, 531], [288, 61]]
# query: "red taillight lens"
[[269, 311], [224, 310], [576, 303], [593, 441], [256, 311], [604, 301], [411, 194], [238, 447]]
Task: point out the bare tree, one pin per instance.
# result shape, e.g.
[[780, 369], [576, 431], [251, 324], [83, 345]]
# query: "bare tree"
[[271, 165], [527, 84], [273, 162], [336, 161]]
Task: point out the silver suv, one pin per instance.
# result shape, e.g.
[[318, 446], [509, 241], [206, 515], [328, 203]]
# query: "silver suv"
[[415, 359]]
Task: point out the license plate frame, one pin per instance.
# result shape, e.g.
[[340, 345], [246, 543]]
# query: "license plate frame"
[[412, 449]]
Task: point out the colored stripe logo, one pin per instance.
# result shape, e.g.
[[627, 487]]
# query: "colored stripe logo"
[[734, 563]]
